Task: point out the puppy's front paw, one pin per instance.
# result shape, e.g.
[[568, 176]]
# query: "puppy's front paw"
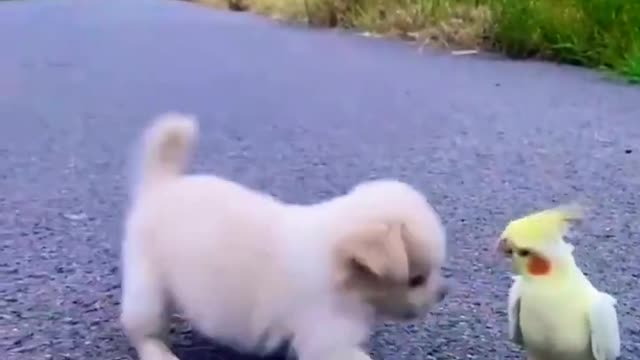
[[159, 356], [345, 354], [359, 355], [153, 349], [353, 354]]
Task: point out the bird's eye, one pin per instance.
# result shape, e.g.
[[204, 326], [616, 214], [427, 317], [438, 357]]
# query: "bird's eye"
[[508, 251], [417, 280], [524, 253]]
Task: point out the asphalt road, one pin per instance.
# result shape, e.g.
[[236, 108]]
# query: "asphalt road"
[[303, 114]]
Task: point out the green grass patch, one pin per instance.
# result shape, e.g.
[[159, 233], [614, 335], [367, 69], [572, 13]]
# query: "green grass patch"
[[596, 33], [603, 34]]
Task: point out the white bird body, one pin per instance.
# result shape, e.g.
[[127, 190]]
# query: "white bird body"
[[566, 332], [555, 313]]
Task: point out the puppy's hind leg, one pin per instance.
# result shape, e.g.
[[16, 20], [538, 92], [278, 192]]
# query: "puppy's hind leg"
[[144, 311]]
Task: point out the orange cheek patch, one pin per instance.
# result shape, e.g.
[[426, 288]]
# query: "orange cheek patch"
[[538, 266]]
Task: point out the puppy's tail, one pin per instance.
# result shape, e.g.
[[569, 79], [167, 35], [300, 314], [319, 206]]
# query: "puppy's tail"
[[167, 145]]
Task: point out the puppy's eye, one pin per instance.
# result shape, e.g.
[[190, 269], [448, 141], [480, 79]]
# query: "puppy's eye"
[[417, 280], [524, 253]]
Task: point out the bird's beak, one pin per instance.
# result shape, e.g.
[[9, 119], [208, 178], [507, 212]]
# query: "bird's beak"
[[502, 248]]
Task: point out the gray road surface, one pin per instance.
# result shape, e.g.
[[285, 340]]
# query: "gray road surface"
[[303, 114]]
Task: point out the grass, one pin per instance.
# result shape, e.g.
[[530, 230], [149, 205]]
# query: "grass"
[[596, 33], [603, 34]]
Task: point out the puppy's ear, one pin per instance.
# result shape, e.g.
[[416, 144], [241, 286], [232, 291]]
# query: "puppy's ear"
[[378, 250]]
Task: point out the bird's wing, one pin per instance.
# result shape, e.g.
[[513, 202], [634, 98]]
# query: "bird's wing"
[[605, 332], [515, 332]]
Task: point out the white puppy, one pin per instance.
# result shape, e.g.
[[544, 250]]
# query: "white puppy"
[[254, 272]]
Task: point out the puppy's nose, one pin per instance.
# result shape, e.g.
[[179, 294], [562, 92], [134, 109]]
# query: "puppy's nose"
[[409, 314], [443, 292]]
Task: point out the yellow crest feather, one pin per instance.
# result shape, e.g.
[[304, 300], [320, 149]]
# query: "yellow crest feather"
[[537, 229]]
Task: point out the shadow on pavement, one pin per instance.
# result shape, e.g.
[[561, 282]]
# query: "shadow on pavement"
[[195, 347]]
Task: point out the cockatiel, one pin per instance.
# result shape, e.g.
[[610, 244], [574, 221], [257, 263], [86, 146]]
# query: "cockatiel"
[[555, 313]]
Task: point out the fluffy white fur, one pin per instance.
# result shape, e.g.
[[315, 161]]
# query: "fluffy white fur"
[[252, 271]]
